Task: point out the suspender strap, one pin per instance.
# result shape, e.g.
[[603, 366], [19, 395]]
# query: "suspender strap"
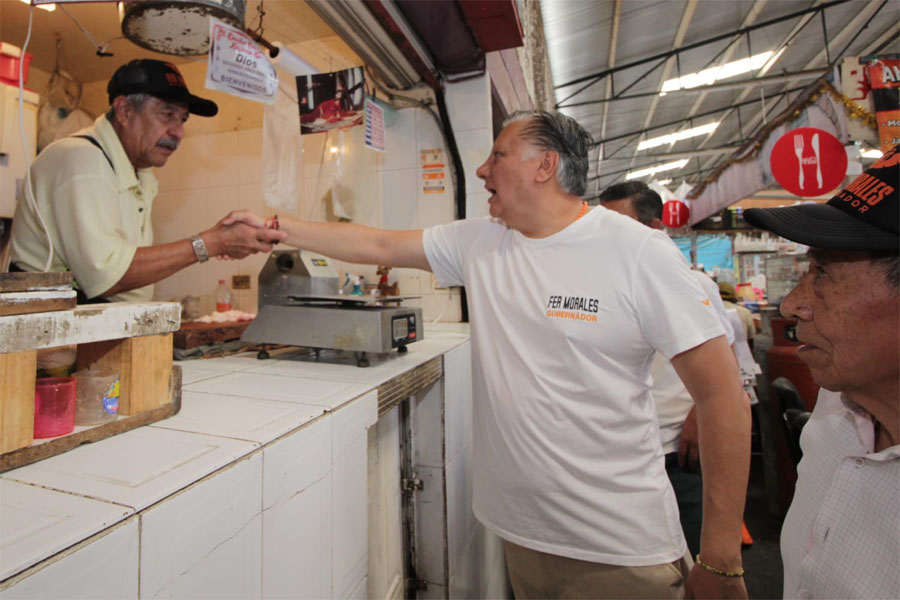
[[96, 143]]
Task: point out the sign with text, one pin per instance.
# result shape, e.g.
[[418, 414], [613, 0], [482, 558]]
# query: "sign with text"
[[374, 126], [808, 161], [432, 161], [884, 77], [237, 66]]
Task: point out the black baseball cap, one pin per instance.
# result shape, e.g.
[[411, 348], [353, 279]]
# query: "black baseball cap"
[[160, 79], [863, 216]]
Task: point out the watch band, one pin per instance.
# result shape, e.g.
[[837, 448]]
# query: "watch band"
[[199, 248]]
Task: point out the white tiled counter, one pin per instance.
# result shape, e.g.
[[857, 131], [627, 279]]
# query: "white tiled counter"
[[257, 488]]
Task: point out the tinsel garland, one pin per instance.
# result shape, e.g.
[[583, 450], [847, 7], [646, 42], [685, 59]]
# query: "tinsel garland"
[[750, 153]]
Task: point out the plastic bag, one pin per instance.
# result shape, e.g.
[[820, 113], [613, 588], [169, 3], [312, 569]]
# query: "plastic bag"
[[282, 153]]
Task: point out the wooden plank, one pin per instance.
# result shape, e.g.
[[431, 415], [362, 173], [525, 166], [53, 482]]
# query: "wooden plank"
[[144, 365], [87, 323], [398, 389], [35, 282], [52, 447], [17, 373], [192, 335], [20, 303]]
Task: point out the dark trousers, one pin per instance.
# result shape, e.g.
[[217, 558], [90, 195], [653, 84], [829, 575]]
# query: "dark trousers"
[[688, 485]]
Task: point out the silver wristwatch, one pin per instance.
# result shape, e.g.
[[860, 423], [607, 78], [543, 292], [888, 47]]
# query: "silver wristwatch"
[[199, 248]]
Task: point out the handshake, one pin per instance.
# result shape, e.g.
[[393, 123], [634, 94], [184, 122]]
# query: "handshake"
[[240, 234]]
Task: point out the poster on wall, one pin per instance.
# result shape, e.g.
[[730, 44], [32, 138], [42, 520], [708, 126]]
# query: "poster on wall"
[[884, 79], [374, 126], [237, 66], [855, 87], [433, 175], [331, 100]]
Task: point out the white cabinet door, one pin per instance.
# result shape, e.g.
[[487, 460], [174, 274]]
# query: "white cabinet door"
[[349, 495], [297, 518], [206, 542], [104, 567]]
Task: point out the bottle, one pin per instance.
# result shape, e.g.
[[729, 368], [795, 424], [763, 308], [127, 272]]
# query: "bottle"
[[223, 297]]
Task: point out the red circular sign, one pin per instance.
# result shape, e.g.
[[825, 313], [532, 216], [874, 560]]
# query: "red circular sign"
[[808, 162], [675, 214]]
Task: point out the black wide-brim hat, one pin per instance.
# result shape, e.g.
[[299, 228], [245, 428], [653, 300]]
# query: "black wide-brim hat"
[[865, 215], [160, 79]]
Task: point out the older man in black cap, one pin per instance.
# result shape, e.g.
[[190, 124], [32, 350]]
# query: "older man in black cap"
[[841, 536], [87, 200]]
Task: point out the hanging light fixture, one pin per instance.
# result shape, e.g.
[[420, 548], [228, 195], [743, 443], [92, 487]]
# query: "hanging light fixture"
[[178, 27]]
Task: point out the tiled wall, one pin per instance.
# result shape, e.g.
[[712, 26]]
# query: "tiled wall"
[[214, 173]]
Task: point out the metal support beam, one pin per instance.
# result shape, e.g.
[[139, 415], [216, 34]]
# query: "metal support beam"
[[714, 87], [664, 55]]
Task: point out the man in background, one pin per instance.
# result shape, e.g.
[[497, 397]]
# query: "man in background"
[[86, 203], [674, 405], [729, 299], [841, 535]]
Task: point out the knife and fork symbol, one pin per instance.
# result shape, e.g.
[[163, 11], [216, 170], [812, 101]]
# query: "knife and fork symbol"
[[798, 151], [815, 145]]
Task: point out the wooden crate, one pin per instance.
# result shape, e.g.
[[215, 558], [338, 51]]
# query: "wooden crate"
[[134, 340]]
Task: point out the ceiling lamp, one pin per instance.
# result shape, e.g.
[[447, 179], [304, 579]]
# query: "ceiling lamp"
[[678, 136], [669, 166], [179, 27], [714, 74]]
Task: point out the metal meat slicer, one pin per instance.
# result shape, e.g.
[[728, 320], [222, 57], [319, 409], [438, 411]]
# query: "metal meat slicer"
[[301, 304]]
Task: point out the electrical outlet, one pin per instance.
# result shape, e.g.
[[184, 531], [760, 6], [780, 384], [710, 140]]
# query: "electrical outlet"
[[240, 282]]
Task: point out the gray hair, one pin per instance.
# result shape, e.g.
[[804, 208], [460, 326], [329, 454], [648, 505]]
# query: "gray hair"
[[562, 134], [889, 263], [137, 101]]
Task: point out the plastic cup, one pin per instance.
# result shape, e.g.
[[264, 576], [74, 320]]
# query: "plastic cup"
[[54, 406], [97, 398]]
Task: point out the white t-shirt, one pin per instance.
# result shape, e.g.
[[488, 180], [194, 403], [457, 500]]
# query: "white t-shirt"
[[841, 535], [566, 447], [673, 401]]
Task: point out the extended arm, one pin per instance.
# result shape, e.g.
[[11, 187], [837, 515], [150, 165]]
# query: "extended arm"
[[709, 372], [354, 243], [154, 263]]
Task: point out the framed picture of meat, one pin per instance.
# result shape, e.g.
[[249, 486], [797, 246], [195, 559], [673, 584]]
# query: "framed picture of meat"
[[331, 100]]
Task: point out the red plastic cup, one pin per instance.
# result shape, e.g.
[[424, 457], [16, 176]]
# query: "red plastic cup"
[[54, 406]]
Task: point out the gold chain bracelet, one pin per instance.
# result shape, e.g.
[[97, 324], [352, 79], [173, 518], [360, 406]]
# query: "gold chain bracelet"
[[711, 569]]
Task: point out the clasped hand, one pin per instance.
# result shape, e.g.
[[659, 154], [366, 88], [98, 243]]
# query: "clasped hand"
[[241, 233]]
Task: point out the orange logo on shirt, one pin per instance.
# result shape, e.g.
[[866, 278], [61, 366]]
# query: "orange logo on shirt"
[[706, 302]]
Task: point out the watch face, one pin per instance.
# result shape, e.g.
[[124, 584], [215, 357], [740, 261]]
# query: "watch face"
[[200, 249]]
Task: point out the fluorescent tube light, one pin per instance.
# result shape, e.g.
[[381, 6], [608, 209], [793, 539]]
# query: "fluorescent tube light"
[[713, 74], [47, 7], [871, 153], [669, 166], [678, 135]]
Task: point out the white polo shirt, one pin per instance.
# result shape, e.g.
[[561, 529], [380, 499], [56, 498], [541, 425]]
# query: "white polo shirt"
[[567, 458], [97, 215], [841, 535]]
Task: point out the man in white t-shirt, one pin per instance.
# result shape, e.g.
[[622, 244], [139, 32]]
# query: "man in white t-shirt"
[[841, 535], [567, 308], [674, 405]]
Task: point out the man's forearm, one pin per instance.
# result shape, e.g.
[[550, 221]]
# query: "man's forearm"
[[723, 418], [354, 243], [724, 427], [154, 263]]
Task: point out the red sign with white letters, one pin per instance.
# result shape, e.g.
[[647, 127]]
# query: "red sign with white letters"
[[808, 162], [675, 214]]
